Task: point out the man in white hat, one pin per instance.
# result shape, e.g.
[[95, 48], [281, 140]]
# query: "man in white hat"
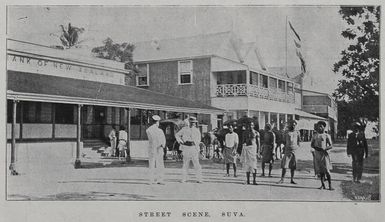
[[189, 138], [157, 142]]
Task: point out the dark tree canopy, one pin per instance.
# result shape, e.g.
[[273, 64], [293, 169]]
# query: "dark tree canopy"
[[358, 91], [70, 35], [118, 52]]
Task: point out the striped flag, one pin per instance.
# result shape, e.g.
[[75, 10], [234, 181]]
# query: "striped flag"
[[297, 43]]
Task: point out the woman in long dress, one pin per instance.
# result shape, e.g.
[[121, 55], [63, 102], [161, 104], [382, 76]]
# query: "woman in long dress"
[[249, 152]]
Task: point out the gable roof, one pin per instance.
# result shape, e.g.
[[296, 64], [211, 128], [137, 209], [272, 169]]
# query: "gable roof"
[[219, 44]]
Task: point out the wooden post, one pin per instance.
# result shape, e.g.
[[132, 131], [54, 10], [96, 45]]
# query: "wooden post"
[[128, 157], [12, 166], [78, 130]]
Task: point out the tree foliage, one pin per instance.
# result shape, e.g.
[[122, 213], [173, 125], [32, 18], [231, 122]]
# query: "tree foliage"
[[117, 52], [358, 91], [70, 35]]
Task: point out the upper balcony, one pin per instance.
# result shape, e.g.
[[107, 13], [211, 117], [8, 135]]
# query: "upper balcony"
[[227, 90], [252, 84]]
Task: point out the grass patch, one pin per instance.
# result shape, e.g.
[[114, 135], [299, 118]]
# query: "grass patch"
[[367, 190]]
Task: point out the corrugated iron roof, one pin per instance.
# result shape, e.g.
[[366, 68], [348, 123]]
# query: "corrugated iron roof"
[[101, 93]]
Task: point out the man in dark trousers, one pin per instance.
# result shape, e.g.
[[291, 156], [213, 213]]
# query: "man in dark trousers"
[[357, 147]]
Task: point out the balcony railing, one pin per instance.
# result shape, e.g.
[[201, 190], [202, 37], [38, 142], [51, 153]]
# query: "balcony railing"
[[230, 90]]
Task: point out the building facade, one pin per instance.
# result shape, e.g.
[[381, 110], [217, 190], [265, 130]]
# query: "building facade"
[[58, 100], [221, 71]]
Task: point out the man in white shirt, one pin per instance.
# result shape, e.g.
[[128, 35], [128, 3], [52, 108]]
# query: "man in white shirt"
[[156, 143], [189, 138], [230, 150]]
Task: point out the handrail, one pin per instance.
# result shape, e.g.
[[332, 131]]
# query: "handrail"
[[231, 90]]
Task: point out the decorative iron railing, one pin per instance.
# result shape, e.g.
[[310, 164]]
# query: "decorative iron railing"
[[229, 90]]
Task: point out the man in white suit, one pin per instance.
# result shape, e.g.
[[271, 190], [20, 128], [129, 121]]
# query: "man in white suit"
[[189, 138], [157, 142]]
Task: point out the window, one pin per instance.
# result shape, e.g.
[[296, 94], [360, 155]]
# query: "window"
[[272, 83], [142, 79], [185, 72], [264, 81], [253, 78], [65, 114], [37, 112], [289, 87], [281, 85]]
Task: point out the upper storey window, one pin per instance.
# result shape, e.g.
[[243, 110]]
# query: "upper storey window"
[[185, 72]]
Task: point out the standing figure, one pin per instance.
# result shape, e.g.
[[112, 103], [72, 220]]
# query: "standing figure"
[[321, 143], [267, 149], [112, 137], [122, 145], [289, 161], [156, 144], [189, 138], [249, 152], [357, 147], [230, 150]]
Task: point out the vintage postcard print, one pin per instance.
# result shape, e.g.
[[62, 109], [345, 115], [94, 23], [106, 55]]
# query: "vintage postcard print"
[[188, 103]]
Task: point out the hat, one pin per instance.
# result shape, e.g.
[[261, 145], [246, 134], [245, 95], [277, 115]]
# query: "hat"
[[156, 117], [323, 123], [193, 119]]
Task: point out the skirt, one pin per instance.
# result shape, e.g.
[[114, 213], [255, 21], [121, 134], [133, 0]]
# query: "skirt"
[[229, 156], [267, 153], [322, 163], [289, 161], [249, 158]]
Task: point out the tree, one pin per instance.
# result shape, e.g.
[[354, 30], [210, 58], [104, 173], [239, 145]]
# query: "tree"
[[118, 52], [70, 36], [358, 92]]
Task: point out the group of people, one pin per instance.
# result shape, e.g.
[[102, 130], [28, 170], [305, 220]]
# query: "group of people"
[[251, 148], [118, 142], [189, 138]]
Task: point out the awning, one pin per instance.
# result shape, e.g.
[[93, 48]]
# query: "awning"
[[46, 88], [307, 120]]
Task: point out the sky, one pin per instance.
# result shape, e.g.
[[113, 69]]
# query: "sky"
[[319, 28]]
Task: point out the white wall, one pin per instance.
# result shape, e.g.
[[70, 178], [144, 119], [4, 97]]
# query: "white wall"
[[139, 149], [9, 130], [35, 130], [65, 131], [35, 156]]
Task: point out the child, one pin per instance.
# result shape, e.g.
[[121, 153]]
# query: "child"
[[321, 142], [289, 161]]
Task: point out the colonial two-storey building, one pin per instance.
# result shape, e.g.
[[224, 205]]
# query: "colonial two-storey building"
[[221, 71]]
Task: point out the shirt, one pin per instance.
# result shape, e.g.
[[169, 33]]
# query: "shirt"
[[123, 135], [156, 137], [187, 134], [231, 139]]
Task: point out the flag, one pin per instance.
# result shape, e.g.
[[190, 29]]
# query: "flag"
[[297, 43], [295, 33]]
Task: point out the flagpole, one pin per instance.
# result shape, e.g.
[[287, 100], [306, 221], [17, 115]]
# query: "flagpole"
[[286, 47]]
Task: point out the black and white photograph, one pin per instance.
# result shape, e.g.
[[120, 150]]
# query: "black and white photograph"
[[174, 103]]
